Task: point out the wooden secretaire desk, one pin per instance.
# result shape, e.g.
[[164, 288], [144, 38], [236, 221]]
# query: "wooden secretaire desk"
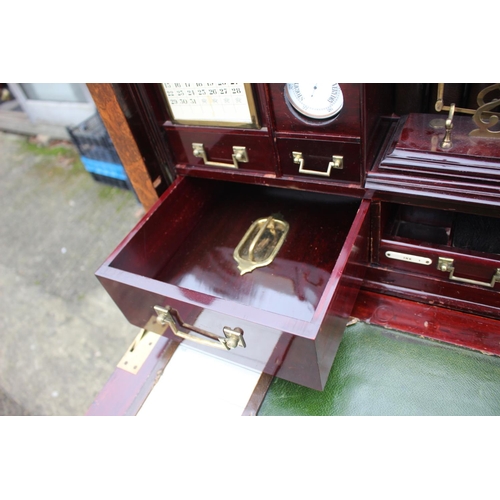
[[277, 211]]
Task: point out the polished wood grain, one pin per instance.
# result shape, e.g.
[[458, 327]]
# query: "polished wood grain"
[[218, 146], [359, 129], [433, 321], [347, 124], [124, 393], [301, 182], [258, 395], [431, 290], [180, 255], [317, 155], [414, 164], [116, 124], [294, 282]]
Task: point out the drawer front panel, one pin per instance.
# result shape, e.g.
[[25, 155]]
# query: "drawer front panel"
[[320, 159], [263, 348], [216, 150], [441, 264]]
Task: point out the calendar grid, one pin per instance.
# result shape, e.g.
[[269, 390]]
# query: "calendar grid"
[[224, 104]]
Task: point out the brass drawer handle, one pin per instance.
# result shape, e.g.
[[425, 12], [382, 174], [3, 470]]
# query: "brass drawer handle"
[[261, 243], [337, 163], [233, 336], [446, 265], [239, 155]]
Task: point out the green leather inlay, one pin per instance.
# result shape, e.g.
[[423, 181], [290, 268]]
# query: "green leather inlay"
[[383, 372]]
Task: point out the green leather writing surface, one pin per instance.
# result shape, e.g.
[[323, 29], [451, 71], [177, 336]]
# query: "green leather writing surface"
[[383, 372]]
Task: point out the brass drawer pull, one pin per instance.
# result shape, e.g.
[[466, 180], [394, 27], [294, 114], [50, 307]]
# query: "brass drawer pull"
[[337, 163], [233, 337], [446, 265], [239, 155], [261, 243]]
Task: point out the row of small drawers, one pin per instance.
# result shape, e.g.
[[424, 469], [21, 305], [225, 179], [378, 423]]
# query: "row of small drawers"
[[339, 161]]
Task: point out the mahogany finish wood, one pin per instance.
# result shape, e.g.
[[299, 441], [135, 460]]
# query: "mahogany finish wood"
[[414, 174], [429, 320], [114, 119], [357, 133], [180, 255], [219, 147], [317, 155], [423, 289], [347, 124], [390, 163], [414, 163], [258, 395], [305, 183], [124, 392], [361, 122]]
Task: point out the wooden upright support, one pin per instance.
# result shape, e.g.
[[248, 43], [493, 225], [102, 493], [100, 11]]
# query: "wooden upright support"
[[114, 119]]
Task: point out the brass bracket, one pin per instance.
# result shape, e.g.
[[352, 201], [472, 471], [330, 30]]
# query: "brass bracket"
[[483, 116], [336, 163], [446, 142], [233, 337], [239, 155], [138, 351], [446, 265]]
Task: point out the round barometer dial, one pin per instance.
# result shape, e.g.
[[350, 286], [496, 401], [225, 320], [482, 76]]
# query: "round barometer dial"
[[315, 100]]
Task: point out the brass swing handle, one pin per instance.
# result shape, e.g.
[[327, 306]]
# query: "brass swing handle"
[[446, 265], [337, 163], [233, 337], [239, 155]]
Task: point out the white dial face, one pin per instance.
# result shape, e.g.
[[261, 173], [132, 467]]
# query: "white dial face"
[[315, 100]]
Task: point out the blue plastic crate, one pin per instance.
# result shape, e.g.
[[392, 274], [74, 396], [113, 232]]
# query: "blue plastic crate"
[[104, 168]]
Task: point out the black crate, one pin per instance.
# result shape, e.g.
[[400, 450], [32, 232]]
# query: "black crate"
[[112, 181], [93, 141]]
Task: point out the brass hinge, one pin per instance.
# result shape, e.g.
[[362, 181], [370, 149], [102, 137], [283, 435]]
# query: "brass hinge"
[[138, 351]]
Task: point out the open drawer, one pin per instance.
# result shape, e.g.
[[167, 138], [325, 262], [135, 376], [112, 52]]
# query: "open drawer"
[[442, 253], [175, 274]]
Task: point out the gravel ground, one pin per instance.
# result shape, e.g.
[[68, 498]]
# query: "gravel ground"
[[61, 335]]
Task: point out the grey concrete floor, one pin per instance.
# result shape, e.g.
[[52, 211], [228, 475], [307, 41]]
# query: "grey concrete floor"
[[61, 336]]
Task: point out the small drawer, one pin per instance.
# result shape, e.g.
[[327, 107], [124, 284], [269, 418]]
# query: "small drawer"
[[252, 151], [452, 246], [326, 160], [445, 265], [438, 256], [177, 274]]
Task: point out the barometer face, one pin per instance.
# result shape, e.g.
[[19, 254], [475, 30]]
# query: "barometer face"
[[315, 100]]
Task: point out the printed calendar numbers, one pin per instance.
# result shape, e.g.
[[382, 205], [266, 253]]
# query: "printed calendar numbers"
[[224, 104]]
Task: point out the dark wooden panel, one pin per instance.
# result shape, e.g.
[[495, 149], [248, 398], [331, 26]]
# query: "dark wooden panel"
[[429, 320], [317, 155], [218, 145], [414, 163], [346, 124]]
